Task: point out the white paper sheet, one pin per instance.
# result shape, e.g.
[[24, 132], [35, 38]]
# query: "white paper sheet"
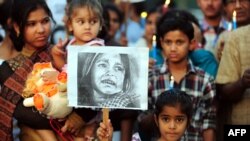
[[101, 77]]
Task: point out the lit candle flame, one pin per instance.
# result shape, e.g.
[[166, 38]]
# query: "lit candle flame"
[[234, 14], [234, 20], [144, 14], [171, 86], [154, 47], [167, 2], [154, 38]]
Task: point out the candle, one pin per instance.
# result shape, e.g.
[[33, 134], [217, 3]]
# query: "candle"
[[171, 85], [165, 6], [143, 17], [234, 20], [154, 47], [229, 26]]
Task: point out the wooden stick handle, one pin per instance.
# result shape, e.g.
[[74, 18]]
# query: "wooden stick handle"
[[105, 117]]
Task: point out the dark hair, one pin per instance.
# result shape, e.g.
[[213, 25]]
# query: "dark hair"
[[224, 2], [173, 98], [178, 15], [5, 9], [152, 10], [19, 14], [176, 24], [92, 5], [138, 7], [68, 1], [114, 8]]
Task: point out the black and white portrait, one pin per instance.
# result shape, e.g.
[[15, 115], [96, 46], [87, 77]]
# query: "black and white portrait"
[[112, 77]]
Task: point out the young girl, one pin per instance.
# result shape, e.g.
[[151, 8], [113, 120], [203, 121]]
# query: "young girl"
[[84, 22], [173, 110]]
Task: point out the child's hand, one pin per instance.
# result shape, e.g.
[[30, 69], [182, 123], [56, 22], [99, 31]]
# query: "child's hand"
[[73, 124], [59, 48], [59, 55], [151, 63], [105, 131], [49, 77]]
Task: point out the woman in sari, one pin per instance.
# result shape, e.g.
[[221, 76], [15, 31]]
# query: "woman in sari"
[[30, 33]]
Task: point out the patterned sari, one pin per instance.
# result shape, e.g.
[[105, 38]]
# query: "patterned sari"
[[13, 74]]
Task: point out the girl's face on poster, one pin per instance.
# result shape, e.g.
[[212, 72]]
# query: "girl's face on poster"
[[108, 74], [37, 29], [172, 123]]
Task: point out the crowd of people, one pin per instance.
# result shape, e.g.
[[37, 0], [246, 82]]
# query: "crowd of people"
[[198, 79]]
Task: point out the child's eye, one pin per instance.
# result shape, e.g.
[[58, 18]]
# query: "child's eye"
[[179, 120], [149, 22], [80, 22], [102, 65], [167, 42], [179, 42], [165, 119], [119, 68], [92, 22]]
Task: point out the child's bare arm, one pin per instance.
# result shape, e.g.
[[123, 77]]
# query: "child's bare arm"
[[58, 54]]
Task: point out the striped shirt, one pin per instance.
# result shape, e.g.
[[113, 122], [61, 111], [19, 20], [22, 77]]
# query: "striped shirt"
[[196, 83]]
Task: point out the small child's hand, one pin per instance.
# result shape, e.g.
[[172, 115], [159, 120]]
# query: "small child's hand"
[[59, 48], [151, 63], [73, 124], [105, 131], [49, 77], [59, 55]]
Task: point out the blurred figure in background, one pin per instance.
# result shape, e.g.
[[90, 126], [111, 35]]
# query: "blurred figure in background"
[[133, 25], [242, 9], [114, 20], [152, 18], [213, 23]]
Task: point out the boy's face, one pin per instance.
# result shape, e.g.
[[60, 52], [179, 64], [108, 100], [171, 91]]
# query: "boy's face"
[[85, 25], [175, 45], [172, 123]]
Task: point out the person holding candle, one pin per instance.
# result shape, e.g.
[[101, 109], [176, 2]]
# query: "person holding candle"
[[233, 77], [149, 38], [176, 41], [133, 25], [213, 23], [242, 8]]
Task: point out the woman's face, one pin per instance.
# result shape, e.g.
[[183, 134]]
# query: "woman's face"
[[150, 27], [37, 29], [114, 23], [108, 74]]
